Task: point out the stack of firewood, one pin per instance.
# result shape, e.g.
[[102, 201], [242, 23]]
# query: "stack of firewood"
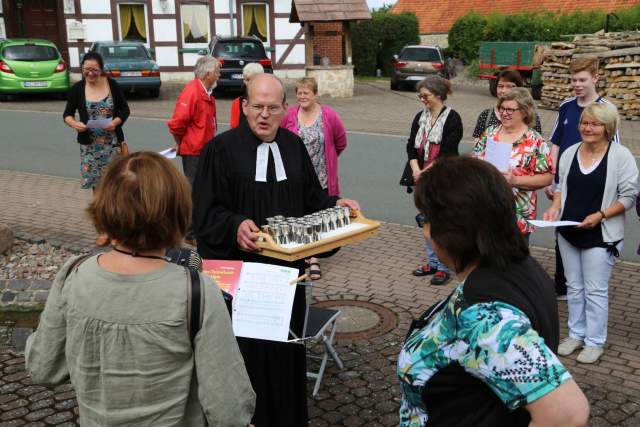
[[555, 74], [619, 70]]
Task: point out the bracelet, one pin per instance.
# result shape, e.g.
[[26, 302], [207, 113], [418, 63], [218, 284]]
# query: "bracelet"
[[603, 215]]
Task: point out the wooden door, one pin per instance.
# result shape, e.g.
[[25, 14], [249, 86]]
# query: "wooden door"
[[40, 18]]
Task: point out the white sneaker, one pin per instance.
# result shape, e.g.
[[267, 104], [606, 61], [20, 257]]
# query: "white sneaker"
[[562, 297], [569, 345], [590, 354]]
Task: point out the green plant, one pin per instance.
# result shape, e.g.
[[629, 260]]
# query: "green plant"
[[377, 40], [465, 36]]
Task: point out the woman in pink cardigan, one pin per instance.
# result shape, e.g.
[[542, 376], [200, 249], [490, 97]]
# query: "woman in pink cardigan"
[[323, 134]]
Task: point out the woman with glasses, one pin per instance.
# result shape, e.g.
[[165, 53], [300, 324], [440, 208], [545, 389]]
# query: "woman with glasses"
[[598, 184], [436, 132], [102, 109], [529, 163], [507, 80], [323, 133]]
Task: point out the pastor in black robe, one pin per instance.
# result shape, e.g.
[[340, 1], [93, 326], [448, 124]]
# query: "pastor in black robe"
[[225, 193]]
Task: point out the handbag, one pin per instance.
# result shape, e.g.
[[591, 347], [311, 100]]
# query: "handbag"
[[407, 178]]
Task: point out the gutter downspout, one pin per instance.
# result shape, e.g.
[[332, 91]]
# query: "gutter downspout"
[[231, 18]]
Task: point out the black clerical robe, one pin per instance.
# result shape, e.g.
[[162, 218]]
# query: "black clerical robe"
[[225, 193]]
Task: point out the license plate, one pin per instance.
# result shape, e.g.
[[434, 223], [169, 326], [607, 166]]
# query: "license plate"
[[131, 74], [415, 78], [36, 84], [236, 76]]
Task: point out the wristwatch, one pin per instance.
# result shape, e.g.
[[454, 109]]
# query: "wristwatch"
[[603, 215]]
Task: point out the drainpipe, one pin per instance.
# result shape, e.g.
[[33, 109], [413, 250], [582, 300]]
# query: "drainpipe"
[[231, 18]]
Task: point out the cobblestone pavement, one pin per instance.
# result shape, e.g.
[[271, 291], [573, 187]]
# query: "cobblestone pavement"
[[374, 108], [376, 271]]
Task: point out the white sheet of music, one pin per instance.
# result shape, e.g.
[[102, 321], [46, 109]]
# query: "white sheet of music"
[[263, 302]]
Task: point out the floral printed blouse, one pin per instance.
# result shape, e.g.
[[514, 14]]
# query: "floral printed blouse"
[[493, 342], [531, 155]]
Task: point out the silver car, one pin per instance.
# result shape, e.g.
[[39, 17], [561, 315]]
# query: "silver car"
[[414, 63]]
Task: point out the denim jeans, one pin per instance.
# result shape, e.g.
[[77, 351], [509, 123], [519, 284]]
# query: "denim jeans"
[[432, 258], [587, 272]]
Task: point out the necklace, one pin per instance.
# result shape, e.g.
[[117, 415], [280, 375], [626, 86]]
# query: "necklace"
[[137, 255]]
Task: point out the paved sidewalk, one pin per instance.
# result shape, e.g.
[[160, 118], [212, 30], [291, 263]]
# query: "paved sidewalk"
[[376, 272]]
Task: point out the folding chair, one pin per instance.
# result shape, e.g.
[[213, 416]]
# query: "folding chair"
[[320, 326]]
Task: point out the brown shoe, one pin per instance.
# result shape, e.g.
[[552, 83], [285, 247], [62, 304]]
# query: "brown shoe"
[[102, 240]]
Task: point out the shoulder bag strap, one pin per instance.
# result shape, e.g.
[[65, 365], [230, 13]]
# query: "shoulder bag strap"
[[194, 304], [74, 266]]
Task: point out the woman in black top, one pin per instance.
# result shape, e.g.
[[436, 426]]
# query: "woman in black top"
[[507, 80], [102, 109], [436, 132], [485, 355]]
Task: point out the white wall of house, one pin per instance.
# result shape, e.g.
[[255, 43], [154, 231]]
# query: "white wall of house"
[[95, 6], [98, 29], [441, 40]]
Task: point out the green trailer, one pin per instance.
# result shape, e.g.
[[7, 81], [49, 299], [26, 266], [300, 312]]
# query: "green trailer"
[[525, 57]]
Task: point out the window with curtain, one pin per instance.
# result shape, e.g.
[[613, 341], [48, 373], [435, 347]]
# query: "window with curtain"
[[254, 21], [195, 23], [133, 26]]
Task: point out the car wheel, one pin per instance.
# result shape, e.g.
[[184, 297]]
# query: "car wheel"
[[154, 93], [4, 97], [493, 87]]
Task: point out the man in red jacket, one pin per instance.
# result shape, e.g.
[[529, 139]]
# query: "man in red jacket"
[[193, 123]]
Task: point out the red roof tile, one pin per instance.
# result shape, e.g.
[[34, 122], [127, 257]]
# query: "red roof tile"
[[439, 16]]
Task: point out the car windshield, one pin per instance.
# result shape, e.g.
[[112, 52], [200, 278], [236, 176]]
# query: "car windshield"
[[123, 52], [420, 54], [238, 49], [30, 52]]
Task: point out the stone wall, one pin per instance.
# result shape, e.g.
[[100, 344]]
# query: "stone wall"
[[334, 81], [441, 40]]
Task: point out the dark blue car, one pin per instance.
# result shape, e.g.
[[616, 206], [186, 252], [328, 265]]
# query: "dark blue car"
[[131, 65]]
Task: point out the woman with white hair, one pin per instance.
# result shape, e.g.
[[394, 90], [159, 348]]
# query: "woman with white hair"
[[598, 184], [249, 70]]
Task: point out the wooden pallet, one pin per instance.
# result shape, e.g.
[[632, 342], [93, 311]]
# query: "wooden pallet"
[[271, 249]]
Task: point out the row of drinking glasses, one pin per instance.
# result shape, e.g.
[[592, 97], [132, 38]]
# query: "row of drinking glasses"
[[308, 228]]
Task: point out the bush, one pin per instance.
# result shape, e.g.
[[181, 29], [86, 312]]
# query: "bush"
[[469, 30], [376, 41]]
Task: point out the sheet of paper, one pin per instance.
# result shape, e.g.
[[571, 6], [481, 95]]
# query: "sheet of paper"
[[498, 154], [100, 123], [169, 153], [540, 223], [263, 302]]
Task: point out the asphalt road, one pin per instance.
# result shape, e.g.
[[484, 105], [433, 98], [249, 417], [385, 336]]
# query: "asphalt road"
[[370, 167]]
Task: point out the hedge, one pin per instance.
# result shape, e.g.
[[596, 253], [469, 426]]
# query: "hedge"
[[469, 30], [377, 40]]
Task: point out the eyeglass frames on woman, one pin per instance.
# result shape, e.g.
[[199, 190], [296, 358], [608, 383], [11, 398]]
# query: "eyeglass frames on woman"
[[91, 71], [424, 96], [591, 125], [503, 110]]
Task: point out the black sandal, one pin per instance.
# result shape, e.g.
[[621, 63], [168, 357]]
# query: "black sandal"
[[314, 273]]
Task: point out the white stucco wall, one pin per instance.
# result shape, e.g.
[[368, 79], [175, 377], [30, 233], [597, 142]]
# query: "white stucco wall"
[[285, 29], [95, 6], [74, 57], [441, 40], [189, 59], [164, 30], [282, 6], [296, 56], [163, 7], [98, 29], [3, 32], [223, 28], [167, 56], [222, 6]]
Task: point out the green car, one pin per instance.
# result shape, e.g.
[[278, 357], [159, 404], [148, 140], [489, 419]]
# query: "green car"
[[31, 66]]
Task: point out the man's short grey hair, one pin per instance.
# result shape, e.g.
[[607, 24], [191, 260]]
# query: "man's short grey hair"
[[205, 64], [251, 69], [276, 78]]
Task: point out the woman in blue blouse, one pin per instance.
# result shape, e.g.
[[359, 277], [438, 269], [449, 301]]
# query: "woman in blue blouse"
[[485, 355]]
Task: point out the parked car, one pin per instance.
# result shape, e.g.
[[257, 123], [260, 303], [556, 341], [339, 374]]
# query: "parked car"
[[414, 63], [131, 65], [234, 53], [31, 66]]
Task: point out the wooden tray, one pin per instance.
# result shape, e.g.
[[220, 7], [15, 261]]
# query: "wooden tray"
[[271, 249]]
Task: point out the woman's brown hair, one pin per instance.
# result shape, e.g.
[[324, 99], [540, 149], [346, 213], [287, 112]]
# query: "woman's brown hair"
[[143, 202]]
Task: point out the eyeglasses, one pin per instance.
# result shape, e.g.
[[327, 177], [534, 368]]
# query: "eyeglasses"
[[271, 109], [591, 125], [509, 111], [91, 71], [424, 96], [506, 86]]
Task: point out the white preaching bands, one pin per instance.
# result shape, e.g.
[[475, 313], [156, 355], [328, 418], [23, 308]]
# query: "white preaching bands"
[[262, 160]]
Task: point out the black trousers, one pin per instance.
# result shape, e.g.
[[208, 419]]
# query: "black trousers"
[[189, 167], [561, 281]]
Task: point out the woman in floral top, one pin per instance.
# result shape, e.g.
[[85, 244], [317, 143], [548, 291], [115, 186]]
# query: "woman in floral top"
[[485, 355], [530, 166]]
